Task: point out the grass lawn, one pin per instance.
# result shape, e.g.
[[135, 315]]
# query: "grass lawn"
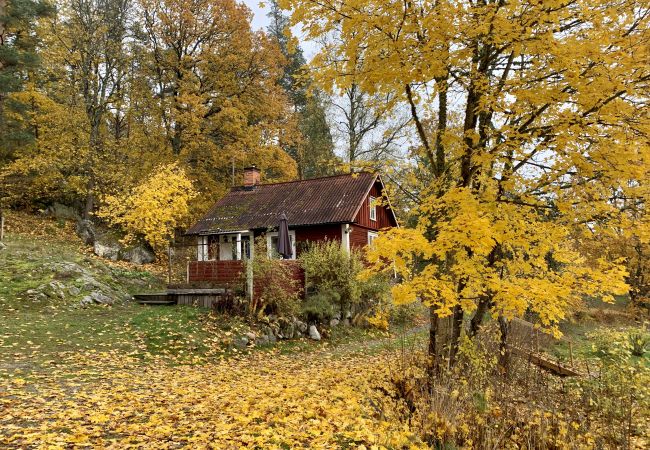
[[597, 317], [45, 333]]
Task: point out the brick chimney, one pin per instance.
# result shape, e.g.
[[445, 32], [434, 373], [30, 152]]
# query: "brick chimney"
[[251, 176]]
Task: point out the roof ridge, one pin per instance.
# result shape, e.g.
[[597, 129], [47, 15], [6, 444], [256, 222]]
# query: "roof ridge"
[[308, 179]]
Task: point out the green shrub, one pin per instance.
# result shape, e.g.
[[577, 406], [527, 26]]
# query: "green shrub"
[[639, 342], [277, 291], [617, 392], [330, 268], [617, 346], [321, 306], [405, 314]]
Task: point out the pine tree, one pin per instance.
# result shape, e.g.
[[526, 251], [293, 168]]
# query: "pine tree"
[[18, 42]]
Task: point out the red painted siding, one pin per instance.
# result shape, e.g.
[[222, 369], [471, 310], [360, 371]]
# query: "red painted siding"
[[384, 215], [231, 273], [358, 237], [217, 272], [304, 235]]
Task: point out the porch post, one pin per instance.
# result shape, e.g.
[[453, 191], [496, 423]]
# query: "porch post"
[[345, 237], [238, 248], [249, 268]]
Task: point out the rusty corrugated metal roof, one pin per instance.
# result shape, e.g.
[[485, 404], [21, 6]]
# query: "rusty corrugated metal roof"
[[333, 199]]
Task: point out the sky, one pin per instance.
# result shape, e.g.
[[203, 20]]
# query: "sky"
[[261, 21]]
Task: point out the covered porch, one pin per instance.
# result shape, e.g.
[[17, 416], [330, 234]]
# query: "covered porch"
[[237, 245]]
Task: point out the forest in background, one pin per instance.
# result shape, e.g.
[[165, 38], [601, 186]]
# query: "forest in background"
[[99, 99]]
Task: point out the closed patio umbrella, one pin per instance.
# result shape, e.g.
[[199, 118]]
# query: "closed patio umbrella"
[[284, 243]]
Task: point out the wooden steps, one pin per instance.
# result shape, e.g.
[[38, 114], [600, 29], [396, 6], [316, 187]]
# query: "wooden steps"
[[161, 298]]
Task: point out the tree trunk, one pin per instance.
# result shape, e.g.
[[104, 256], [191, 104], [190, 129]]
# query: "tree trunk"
[[504, 352], [3, 11], [477, 319], [456, 327], [352, 126], [442, 126], [2, 225], [95, 149], [89, 205], [433, 334]]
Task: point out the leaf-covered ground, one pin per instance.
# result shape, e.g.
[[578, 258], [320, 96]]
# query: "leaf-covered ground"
[[167, 377], [262, 400]]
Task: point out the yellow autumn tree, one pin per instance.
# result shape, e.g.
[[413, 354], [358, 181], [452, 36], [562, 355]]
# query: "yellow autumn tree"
[[532, 121], [215, 82], [154, 208], [45, 167]]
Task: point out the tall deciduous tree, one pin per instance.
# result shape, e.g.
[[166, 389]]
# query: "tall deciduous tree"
[[371, 127], [92, 37], [529, 115], [371, 132], [314, 150], [215, 83]]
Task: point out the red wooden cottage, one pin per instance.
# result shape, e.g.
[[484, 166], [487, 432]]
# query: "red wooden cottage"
[[348, 208]]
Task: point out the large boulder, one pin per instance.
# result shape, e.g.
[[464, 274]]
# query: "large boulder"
[[108, 245], [74, 290], [262, 341], [63, 270], [61, 211], [54, 289], [301, 326], [240, 342], [138, 254], [89, 283], [96, 298], [313, 333], [86, 231], [286, 329], [107, 249]]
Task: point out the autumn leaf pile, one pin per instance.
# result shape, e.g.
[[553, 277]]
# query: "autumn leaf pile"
[[259, 401]]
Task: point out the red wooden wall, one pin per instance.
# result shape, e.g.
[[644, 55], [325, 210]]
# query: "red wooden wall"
[[384, 216], [358, 237], [231, 273], [217, 272], [304, 235]]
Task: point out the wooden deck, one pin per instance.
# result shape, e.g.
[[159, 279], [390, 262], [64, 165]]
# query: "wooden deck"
[[192, 296], [160, 298], [198, 297]]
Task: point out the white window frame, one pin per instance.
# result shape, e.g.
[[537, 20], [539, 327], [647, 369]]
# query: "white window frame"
[[235, 244], [202, 250], [269, 247], [373, 208], [372, 235]]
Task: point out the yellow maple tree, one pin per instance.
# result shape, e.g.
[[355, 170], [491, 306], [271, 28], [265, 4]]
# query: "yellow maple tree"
[[153, 209], [530, 120]]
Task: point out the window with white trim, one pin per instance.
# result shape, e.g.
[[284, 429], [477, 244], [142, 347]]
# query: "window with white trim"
[[371, 237], [272, 243], [373, 208]]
